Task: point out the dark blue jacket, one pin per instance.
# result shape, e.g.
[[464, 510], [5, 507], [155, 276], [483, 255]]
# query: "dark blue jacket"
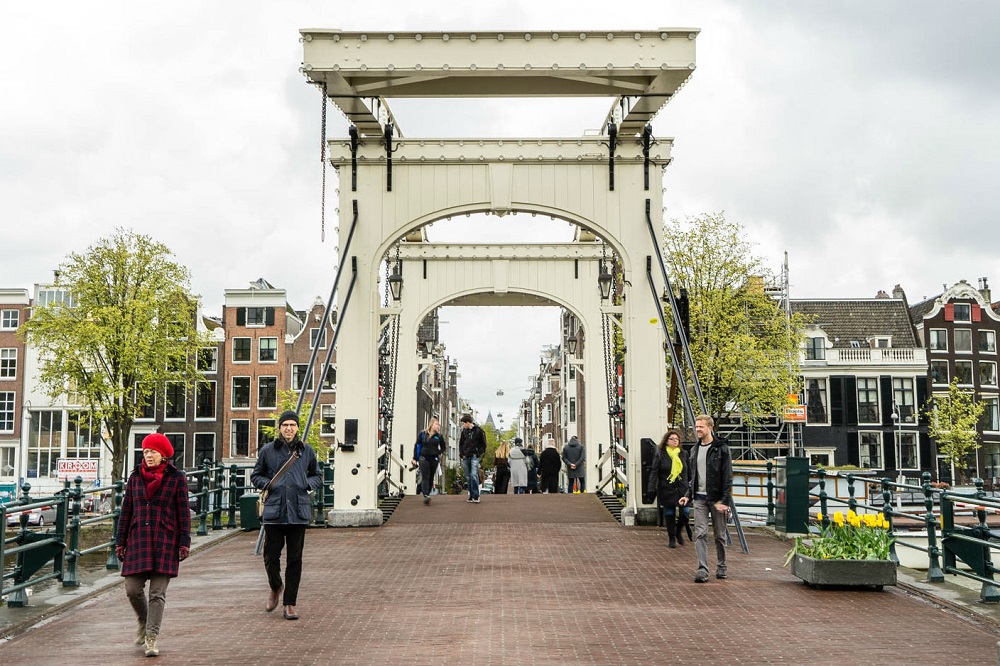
[[288, 499]]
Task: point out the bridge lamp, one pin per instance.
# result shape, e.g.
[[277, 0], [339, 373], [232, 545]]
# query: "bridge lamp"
[[396, 283], [571, 342], [604, 282]]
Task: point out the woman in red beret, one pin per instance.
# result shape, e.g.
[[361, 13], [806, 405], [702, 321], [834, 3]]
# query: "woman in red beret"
[[154, 535]]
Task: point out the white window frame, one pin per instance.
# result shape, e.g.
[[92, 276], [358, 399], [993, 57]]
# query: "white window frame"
[[250, 354], [259, 380], [947, 372], [8, 363], [868, 390], [183, 415], [261, 349], [904, 395], [992, 413], [972, 372], [213, 365], [215, 395], [877, 435], [257, 323], [914, 439], [308, 378], [327, 420], [939, 336], [966, 314], [10, 319], [232, 437], [984, 366], [963, 335], [328, 387], [991, 345], [317, 334], [232, 392], [8, 404], [824, 398]]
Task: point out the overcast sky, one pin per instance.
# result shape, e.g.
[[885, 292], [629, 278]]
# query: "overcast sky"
[[860, 137]]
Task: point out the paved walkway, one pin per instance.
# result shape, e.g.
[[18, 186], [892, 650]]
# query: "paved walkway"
[[513, 580]]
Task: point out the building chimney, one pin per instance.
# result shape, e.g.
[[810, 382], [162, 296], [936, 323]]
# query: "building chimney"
[[881, 294], [897, 292], [984, 289]]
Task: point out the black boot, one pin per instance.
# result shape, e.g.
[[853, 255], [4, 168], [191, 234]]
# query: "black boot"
[[671, 521]]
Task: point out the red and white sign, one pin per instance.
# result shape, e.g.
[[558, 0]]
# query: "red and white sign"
[[795, 413], [68, 469]]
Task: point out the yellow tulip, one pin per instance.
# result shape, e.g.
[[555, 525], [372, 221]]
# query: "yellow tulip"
[[819, 517], [851, 515], [838, 517]]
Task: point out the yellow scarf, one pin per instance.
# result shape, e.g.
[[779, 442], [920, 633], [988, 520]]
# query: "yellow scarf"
[[675, 463]]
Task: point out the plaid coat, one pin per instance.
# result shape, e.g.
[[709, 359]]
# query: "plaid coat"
[[153, 529]]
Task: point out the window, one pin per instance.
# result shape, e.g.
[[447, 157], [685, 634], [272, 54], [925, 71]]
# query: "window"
[[816, 349], [6, 411], [83, 436], [44, 443], [298, 377], [987, 373], [815, 399], [330, 380], [990, 419], [317, 334], [241, 350], [8, 363], [903, 397], [939, 372], [870, 450], [205, 401], [267, 350], [48, 296], [207, 359], [571, 373], [9, 319], [963, 312], [547, 415], [328, 420], [868, 400], [263, 427], [572, 410], [988, 341], [881, 343], [177, 441], [820, 459], [175, 403], [909, 455], [204, 447], [963, 340], [256, 317], [239, 437], [145, 405], [267, 392], [241, 393], [963, 372], [939, 339], [7, 468]]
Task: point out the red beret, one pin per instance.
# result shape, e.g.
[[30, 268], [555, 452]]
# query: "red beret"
[[160, 443]]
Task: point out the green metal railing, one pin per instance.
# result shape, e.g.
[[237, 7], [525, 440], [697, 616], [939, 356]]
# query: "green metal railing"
[[218, 490]]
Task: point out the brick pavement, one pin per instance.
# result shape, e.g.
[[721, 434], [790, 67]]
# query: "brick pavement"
[[513, 580]]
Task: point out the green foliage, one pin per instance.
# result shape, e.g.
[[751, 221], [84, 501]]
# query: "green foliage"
[[854, 538], [952, 422], [289, 399], [493, 439], [128, 328], [744, 346]]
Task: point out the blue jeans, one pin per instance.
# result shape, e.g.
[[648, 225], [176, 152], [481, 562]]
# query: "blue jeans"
[[470, 466]]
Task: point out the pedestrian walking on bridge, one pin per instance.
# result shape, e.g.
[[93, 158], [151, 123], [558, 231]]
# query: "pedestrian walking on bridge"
[[427, 452], [550, 464], [575, 456], [710, 491], [668, 483], [471, 447], [154, 535]]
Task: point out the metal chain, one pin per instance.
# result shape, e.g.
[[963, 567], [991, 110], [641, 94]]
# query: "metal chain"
[[322, 158]]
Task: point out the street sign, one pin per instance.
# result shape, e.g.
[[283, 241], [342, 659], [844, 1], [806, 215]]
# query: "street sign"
[[794, 413], [67, 469]]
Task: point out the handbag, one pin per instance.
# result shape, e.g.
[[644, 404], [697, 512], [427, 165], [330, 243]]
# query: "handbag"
[[266, 490]]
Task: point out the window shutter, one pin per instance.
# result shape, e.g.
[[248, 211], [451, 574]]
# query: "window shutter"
[[241, 316], [853, 455], [851, 400], [836, 401], [886, 399], [977, 313], [269, 316], [949, 312]]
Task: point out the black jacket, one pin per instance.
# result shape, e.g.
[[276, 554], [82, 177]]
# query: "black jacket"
[[472, 442], [668, 493], [288, 502], [428, 447], [718, 470]]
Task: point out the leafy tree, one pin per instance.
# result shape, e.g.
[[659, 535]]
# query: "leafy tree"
[[953, 418], [125, 328], [743, 344], [289, 399]]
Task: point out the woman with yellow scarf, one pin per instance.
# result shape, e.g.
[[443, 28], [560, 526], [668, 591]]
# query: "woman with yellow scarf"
[[668, 478]]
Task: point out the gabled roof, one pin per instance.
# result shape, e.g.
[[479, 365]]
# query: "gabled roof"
[[858, 320], [919, 310]]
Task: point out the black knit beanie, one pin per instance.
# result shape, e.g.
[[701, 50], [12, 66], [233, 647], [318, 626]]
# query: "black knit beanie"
[[288, 415]]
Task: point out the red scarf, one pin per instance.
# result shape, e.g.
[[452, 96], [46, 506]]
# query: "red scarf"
[[153, 477]]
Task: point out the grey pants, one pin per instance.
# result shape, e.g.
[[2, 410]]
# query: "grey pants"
[[702, 508], [150, 612]]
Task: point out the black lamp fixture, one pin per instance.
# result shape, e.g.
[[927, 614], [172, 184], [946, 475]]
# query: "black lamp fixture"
[[604, 282], [396, 282], [571, 344], [428, 346]]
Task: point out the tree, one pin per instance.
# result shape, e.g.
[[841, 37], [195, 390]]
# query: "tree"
[[288, 399], [953, 418], [745, 347], [124, 328]]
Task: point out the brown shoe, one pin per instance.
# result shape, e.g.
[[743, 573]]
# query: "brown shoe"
[[273, 598], [289, 613]]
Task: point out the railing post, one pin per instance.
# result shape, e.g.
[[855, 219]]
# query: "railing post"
[[116, 511], [70, 578], [233, 497], [770, 493], [203, 501], [934, 573], [852, 500], [217, 498], [989, 592], [19, 598], [821, 473], [887, 505]]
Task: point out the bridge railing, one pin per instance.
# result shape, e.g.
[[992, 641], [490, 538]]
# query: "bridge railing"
[[214, 489]]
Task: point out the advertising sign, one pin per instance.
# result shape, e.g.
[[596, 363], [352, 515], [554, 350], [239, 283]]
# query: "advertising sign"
[[795, 413], [67, 469]]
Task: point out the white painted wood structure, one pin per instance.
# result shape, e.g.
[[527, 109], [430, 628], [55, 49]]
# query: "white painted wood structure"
[[427, 179]]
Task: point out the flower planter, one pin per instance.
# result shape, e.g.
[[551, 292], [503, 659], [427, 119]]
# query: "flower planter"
[[851, 573]]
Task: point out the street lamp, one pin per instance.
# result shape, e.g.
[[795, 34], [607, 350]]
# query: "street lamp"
[[571, 343], [396, 282], [604, 282], [897, 429]]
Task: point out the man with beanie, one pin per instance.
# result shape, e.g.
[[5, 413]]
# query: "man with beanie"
[[287, 510], [471, 447]]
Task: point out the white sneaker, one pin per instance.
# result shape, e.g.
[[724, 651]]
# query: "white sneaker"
[[476, 501]]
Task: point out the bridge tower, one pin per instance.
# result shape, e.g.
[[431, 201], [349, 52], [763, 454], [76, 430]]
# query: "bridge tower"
[[390, 186]]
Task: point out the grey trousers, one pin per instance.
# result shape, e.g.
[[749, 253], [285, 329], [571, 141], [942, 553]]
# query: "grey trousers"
[[702, 508], [150, 612]]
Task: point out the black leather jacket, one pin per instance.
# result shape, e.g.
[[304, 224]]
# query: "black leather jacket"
[[718, 471]]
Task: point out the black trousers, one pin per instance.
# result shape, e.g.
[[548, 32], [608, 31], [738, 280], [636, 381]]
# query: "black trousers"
[[550, 483], [277, 537], [503, 478], [428, 468]]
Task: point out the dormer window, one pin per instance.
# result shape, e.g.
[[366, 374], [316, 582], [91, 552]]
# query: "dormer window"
[[855, 344], [881, 342], [815, 349], [963, 312]]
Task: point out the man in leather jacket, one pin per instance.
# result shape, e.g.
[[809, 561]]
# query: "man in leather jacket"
[[710, 491]]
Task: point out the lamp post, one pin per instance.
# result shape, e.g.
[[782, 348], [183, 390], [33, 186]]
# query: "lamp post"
[[396, 282], [897, 431]]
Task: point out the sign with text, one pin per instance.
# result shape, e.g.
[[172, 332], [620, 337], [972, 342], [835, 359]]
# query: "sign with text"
[[68, 469], [795, 413]]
